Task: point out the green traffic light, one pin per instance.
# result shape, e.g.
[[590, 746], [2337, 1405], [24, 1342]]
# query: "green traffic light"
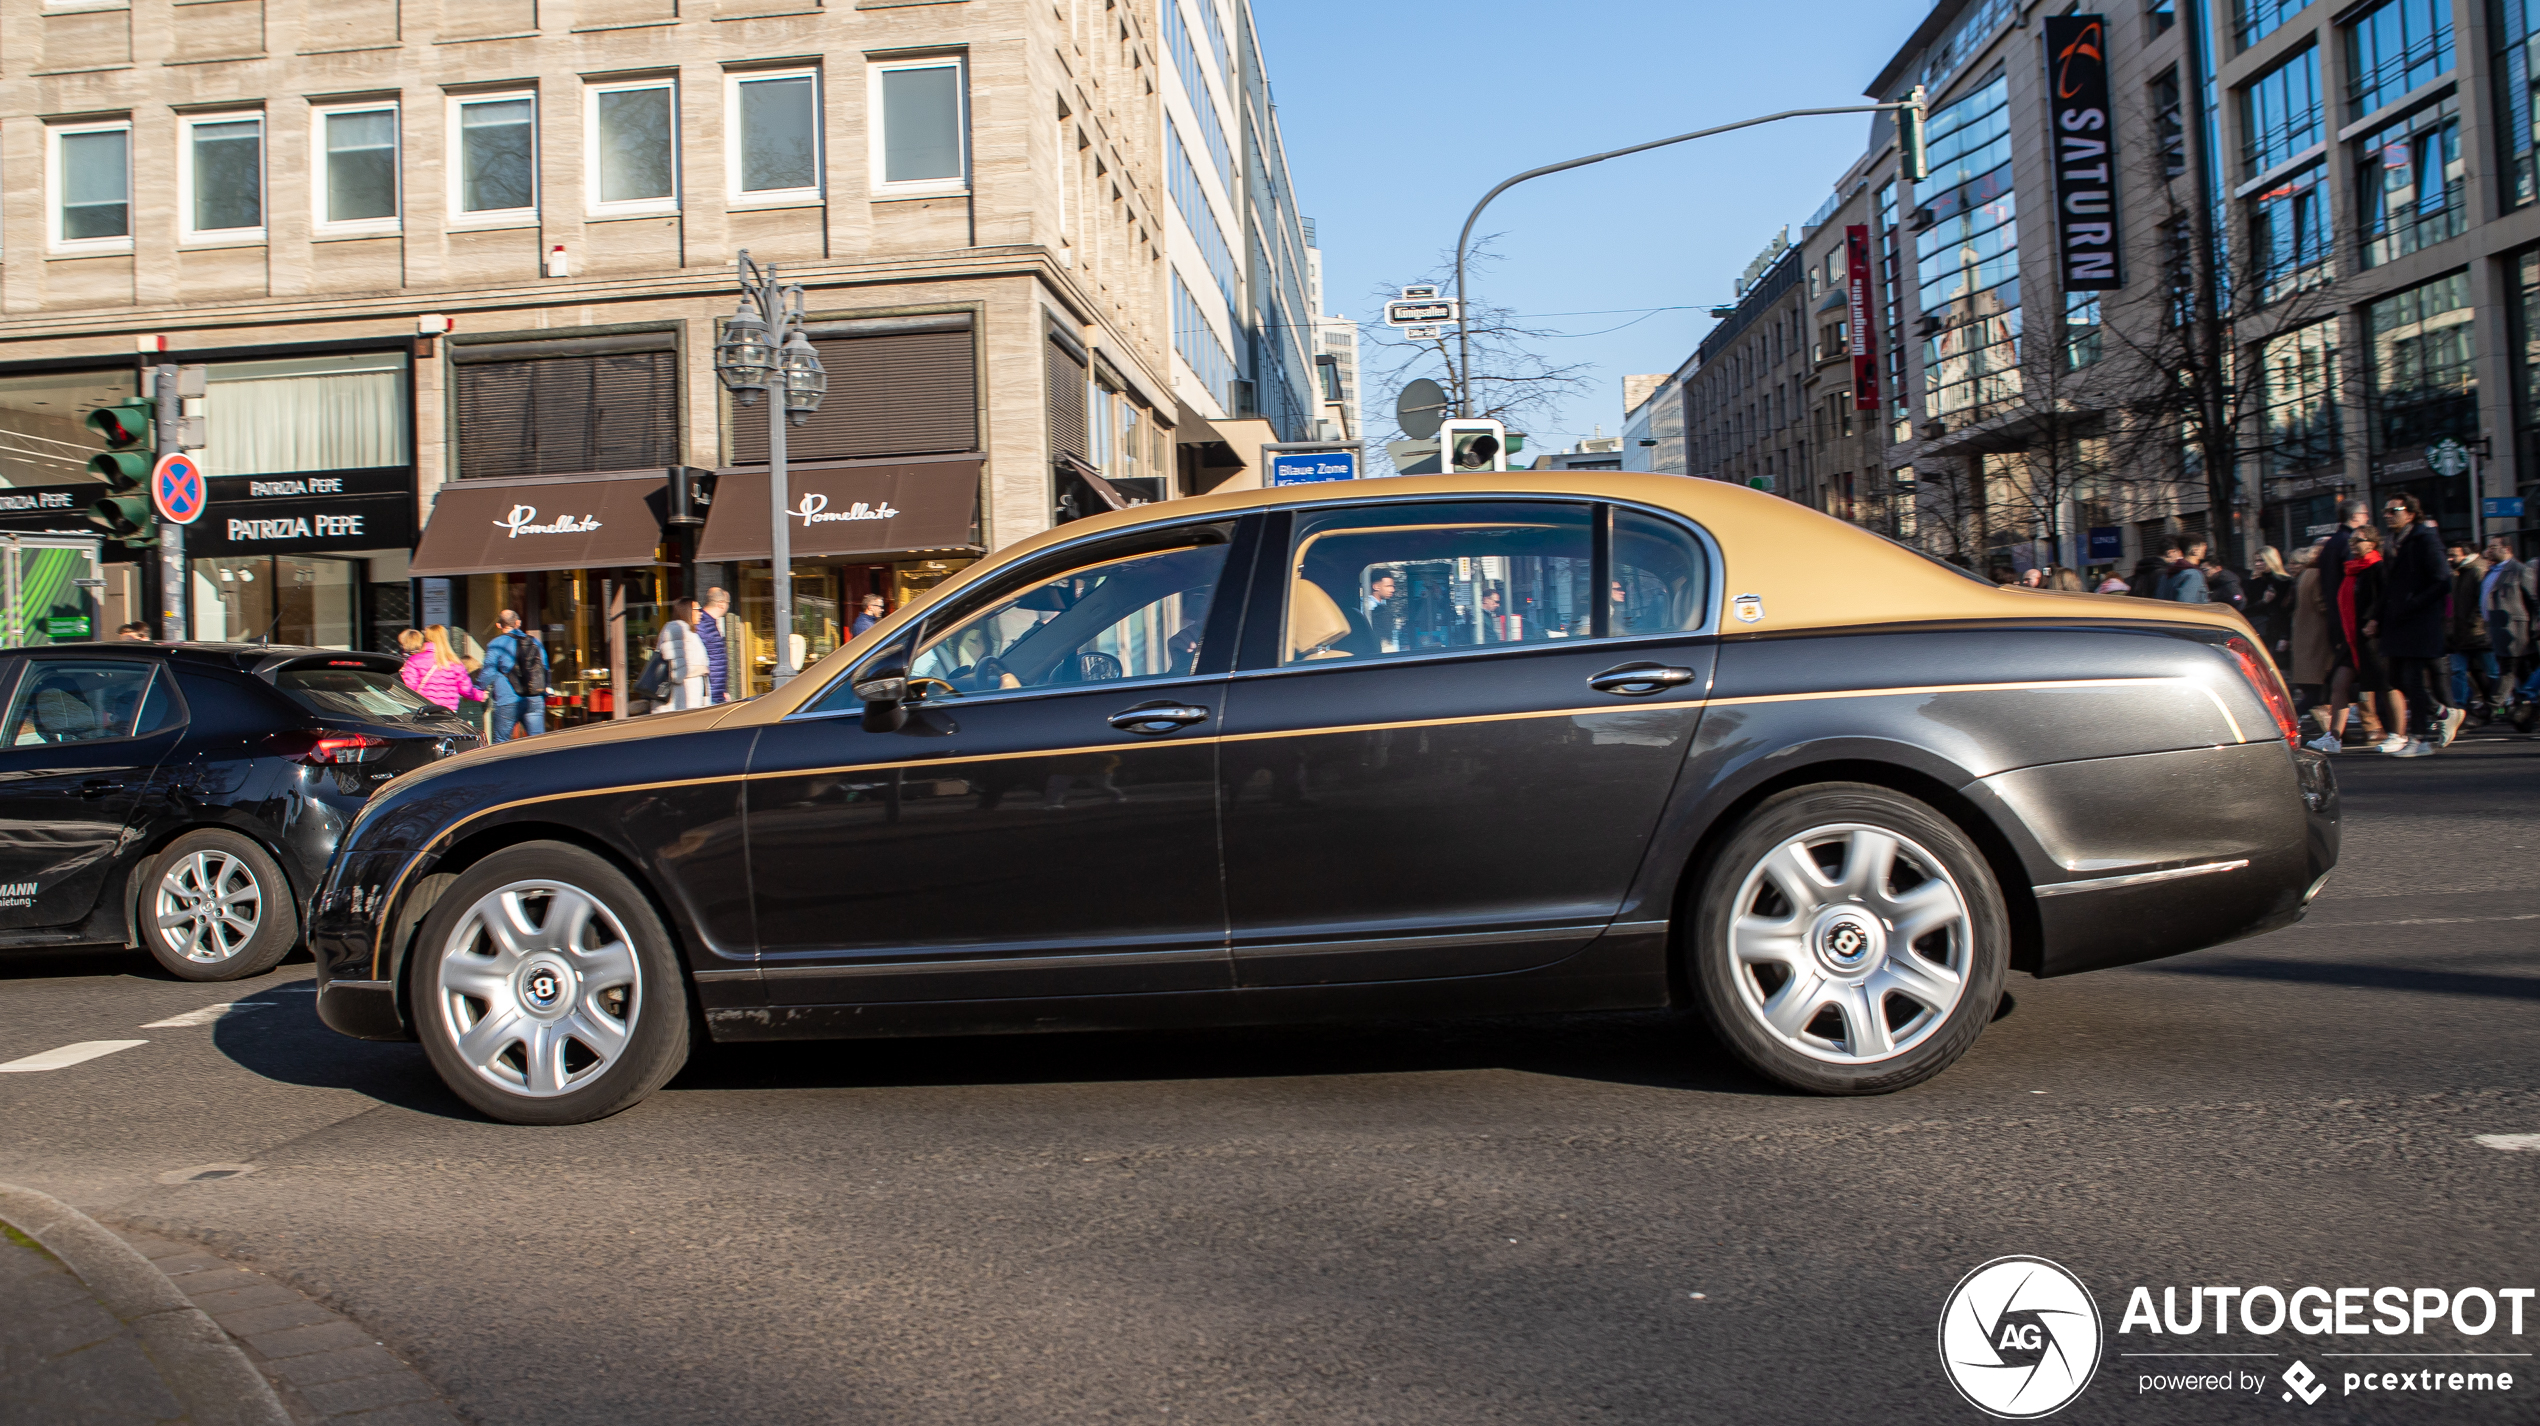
[[124, 423], [122, 469], [127, 518]]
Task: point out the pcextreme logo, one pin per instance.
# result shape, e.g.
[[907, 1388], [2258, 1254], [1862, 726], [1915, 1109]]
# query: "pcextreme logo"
[[2019, 1338]]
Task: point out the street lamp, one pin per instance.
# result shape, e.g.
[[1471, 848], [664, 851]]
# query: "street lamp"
[[764, 349]]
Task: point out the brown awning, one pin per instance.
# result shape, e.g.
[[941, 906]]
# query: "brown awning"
[[570, 522], [846, 510]]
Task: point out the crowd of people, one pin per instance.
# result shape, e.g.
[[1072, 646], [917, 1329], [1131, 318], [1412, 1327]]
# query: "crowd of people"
[[2392, 638]]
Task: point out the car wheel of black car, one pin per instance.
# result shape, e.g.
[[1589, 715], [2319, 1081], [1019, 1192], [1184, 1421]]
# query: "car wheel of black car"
[[546, 990], [1849, 940], [214, 906]]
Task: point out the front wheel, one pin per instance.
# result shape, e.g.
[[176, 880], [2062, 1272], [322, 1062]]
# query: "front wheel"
[[546, 990], [1849, 940]]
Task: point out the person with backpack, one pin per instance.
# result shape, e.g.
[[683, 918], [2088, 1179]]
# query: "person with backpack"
[[515, 675]]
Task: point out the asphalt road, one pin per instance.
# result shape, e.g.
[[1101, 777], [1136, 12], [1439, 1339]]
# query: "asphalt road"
[[1587, 1218]]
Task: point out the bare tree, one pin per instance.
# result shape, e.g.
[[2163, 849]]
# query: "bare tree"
[[1513, 380]]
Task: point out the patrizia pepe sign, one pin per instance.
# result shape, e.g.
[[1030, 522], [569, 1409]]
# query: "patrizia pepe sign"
[[2084, 134], [523, 520]]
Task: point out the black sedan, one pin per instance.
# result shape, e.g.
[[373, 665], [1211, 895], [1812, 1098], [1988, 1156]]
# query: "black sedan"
[[1532, 742], [185, 798]]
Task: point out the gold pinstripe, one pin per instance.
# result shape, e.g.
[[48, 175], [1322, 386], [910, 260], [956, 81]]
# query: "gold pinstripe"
[[396, 884]]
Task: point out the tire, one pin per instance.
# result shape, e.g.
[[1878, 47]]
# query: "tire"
[[1797, 953], [536, 1020], [214, 906]]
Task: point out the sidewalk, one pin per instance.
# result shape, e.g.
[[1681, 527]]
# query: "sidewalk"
[[97, 1327]]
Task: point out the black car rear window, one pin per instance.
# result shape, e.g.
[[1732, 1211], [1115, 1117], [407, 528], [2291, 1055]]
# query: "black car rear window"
[[357, 692]]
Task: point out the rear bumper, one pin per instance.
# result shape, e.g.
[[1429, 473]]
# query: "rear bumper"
[[2167, 853]]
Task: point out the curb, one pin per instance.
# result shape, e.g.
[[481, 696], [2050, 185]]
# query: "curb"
[[204, 1370]]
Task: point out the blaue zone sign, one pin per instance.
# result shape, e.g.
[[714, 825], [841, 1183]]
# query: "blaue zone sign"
[[2083, 133], [1310, 467], [306, 512]]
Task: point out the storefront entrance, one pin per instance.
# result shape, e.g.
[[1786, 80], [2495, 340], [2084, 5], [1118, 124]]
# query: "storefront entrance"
[[314, 600]]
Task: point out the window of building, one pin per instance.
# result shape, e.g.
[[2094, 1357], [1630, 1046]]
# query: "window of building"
[[2524, 310], [496, 175], [2082, 335], [2394, 49], [2424, 378], [1967, 261], [2254, 20], [559, 408], [897, 386], [772, 135], [2159, 15], [92, 186], [2289, 233], [2302, 423], [2517, 83], [221, 176], [1197, 342], [2281, 113], [346, 412], [634, 147], [2410, 184], [2167, 126], [921, 144], [356, 148]]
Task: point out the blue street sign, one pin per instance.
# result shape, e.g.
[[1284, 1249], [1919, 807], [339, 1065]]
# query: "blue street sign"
[[2107, 542], [1308, 467], [2501, 507]]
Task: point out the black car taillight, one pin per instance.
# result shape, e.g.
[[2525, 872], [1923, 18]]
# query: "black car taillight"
[[329, 748], [2270, 688]]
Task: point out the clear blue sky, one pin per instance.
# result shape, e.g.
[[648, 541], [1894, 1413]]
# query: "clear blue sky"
[[1399, 114]]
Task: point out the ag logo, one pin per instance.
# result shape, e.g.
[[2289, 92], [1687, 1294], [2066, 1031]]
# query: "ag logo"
[[2019, 1338], [1747, 607]]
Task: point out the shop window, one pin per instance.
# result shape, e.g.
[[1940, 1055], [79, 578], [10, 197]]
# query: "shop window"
[[92, 187], [921, 144], [530, 409], [891, 393], [307, 414], [221, 177], [772, 123], [357, 155], [634, 147], [42, 438], [496, 176]]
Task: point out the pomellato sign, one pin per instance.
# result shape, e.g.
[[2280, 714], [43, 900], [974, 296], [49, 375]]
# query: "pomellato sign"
[[814, 510], [523, 520], [2084, 134]]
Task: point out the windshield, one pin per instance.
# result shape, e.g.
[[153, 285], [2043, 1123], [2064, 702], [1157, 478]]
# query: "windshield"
[[358, 691]]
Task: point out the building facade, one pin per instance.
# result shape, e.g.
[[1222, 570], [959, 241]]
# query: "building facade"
[[457, 272]]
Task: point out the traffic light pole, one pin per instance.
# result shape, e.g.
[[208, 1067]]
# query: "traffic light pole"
[[1463, 341], [780, 536], [172, 571]]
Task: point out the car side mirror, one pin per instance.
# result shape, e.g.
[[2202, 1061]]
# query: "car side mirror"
[[883, 688]]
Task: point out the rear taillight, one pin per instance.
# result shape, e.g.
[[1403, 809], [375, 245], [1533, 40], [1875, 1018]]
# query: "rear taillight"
[[329, 749], [2270, 688]]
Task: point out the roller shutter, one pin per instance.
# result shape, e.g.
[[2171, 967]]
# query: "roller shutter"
[[1066, 401], [894, 394], [555, 415]]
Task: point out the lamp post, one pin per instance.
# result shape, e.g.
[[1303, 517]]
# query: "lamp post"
[[763, 349]]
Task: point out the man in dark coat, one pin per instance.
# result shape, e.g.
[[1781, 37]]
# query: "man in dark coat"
[[2409, 624]]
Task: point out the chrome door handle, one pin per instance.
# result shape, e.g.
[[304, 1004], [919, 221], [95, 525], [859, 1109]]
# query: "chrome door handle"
[[1158, 717], [1639, 679], [98, 787]]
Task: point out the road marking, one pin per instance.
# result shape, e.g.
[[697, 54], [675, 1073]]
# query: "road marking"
[[68, 1055], [2419, 921], [2510, 1143], [207, 1015]]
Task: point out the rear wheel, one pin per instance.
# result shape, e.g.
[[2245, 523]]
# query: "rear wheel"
[[1849, 940], [215, 907], [546, 990]]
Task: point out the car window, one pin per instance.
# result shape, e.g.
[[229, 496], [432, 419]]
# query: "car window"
[[1108, 619], [353, 690], [83, 701], [1661, 577], [1383, 581]]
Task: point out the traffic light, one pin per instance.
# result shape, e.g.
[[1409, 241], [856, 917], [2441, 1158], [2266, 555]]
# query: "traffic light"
[[1914, 156], [1473, 446], [124, 513]]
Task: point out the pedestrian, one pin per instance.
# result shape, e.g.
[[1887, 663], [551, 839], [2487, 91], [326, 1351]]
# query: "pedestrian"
[[2352, 515], [2269, 592], [438, 672], [2149, 571], [2311, 654], [2222, 584], [2185, 582], [133, 633], [2065, 579], [710, 632], [2033, 577], [684, 654], [2510, 598], [2408, 620], [2476, 685], [870, 615], [515, 674], [2356, 675]]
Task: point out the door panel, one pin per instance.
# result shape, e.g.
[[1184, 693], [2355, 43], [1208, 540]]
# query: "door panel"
[[1018, 836], [1396, 810], [72, 772]]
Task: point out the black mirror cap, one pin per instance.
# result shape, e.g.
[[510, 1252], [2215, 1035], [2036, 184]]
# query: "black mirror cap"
[[884, 717]]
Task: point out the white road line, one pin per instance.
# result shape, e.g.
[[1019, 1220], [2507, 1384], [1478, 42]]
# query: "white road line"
[[68, 1055], [207, 1014], [2511, 1143]]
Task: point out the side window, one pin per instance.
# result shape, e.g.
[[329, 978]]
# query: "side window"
[[1380, 581], [1107, 618], [1661, 578], [77, 701]]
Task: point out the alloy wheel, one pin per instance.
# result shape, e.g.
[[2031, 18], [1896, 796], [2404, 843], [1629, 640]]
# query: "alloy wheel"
[[541, 986], [1850, 943], [208, 906]]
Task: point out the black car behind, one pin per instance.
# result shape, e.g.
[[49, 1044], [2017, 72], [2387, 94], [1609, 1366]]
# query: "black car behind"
[[184, 798]]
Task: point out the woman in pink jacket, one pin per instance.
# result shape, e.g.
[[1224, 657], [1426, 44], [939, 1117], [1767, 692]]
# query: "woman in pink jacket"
[[437, 672]]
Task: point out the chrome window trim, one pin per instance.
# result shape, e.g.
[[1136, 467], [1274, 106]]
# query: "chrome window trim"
[[861, 969], [1012, 695]]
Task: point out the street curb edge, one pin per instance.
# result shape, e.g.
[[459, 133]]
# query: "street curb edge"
[[214, 1381]]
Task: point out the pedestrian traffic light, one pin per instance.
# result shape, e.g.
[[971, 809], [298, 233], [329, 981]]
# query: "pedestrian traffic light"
[[124, 512], [1914, 158], [1472, 446]]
